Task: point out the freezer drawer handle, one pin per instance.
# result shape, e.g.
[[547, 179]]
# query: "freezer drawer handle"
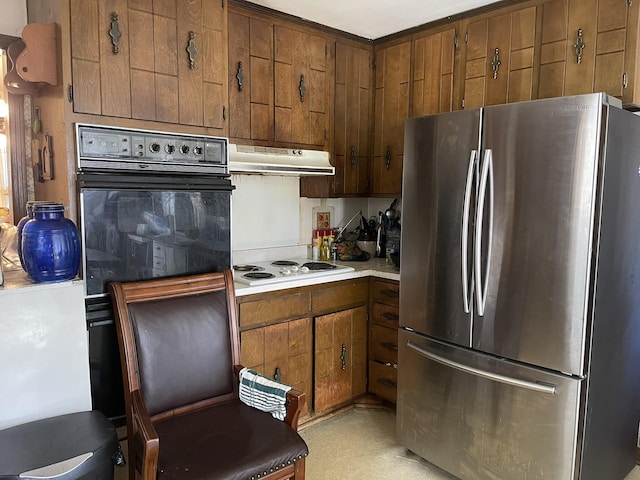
[[538, 387]]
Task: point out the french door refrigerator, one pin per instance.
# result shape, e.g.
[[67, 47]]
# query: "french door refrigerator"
[[519, 344]]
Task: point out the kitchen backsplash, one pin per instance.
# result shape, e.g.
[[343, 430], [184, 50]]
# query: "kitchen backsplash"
[[271, 221]]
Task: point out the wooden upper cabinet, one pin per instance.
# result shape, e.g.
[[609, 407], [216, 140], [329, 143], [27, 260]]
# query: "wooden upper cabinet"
[[300, 87], [353, 109], [130, 59], [250, 77], [432, 73], [499, 59], [392, 78], [589, 46]]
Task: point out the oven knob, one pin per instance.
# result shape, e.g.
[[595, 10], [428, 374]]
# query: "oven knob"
[[154, 147], [197, 150], [184, 149], [169, 148], [304, 269]]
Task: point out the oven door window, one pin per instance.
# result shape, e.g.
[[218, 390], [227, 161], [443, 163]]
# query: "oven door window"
[[139, 234]]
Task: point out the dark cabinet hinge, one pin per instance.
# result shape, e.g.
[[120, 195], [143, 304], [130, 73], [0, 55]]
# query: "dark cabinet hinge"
[[222, 2], [326, 50], [70, 93], [224, 112]]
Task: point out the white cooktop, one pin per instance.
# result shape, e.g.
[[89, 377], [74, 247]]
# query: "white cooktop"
[[266, 273]]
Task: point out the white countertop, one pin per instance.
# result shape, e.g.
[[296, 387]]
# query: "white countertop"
[[377, 267]]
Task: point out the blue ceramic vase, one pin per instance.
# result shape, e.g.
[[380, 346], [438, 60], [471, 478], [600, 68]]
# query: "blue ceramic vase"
[[50, 245]]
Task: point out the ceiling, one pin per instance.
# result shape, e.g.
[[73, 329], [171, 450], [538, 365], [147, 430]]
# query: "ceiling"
[[372, 19]]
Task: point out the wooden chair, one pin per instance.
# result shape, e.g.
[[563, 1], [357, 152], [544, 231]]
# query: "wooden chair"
[[179, 351]]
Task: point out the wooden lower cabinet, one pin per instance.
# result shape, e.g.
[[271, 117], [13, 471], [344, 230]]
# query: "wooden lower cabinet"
[[383, 339], [340, 357], [281, 351], [279, 331]]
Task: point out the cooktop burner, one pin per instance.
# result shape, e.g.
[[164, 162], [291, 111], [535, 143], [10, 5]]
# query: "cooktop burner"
[[248, 268], [263, 273], [258, 275], [319, 266], [284, 263]]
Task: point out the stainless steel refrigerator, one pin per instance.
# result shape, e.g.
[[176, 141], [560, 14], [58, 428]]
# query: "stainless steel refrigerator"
[[519, 345]]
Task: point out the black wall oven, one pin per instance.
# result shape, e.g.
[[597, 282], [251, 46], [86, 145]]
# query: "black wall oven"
[[152, 204]]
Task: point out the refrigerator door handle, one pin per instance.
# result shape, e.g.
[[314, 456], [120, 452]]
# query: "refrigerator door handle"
[[536, 386], [465, 231], [486, 176]]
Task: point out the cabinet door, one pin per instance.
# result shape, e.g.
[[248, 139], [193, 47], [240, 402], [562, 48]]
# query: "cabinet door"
[[300, 87], [352, 112], [432, 73], [340, 357], [586, 48], [281, 351], [100, 73], [391, 110], [499, 58], [149, 75], [250, 77]]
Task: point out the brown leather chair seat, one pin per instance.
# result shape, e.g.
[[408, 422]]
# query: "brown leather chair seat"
[[264, 444]]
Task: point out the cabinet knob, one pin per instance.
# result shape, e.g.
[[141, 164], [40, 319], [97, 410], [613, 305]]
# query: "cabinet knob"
[[495, 65], [302, 88], [192, 50], [115, 33], [343, 357], [579, 46], [240, 77]]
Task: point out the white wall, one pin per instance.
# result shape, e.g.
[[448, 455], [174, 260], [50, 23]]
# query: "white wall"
[[13, 17], [268, 213]]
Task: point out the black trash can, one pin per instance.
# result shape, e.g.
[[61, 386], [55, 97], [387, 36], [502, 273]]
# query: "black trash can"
[[74, 446]]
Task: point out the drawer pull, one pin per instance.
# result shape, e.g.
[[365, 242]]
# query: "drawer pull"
[[389, 346], [386, 383], [343, 357], [391, 316], [390, 293], [277, 376]]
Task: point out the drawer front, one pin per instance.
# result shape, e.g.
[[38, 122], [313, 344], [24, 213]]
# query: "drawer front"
[[386, 292], [277, 309], [383, 381], [384, 344], [386, 315], [340, 295]]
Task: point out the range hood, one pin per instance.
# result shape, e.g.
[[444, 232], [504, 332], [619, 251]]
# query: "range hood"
[[278, 161]]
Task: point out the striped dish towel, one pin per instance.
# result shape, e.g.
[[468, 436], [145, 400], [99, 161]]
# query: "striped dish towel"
[[263, 393]]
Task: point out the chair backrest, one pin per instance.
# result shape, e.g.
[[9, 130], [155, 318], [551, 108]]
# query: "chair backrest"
[[178, 339]]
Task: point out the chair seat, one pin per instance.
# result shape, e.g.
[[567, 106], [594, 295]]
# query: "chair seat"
[[191, 448]]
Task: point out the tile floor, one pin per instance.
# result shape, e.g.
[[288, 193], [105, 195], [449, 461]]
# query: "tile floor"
[[371, 433]]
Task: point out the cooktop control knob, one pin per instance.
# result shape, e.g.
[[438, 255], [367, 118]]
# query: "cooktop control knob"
[[169, 148], [197, 150], [184, 149], [154, 147]]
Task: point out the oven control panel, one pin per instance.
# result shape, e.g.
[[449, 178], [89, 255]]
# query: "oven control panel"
[[112, 148]]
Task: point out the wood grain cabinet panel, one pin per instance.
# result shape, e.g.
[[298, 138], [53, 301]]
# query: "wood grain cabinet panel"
[[589, 46], [282, 351], [149, 75], [432, 73], [340, 357], [352, 111], [392, 83], [500, 54], [300, 87], [250, 77], [383, 339], [340, 295]]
